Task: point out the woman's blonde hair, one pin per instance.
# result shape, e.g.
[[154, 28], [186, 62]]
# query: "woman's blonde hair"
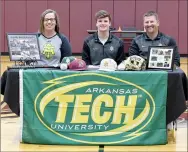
[[42, 20]]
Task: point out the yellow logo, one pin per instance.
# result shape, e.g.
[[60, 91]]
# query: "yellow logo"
[[48, 51]]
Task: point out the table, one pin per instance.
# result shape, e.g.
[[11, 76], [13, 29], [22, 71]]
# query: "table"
[[177, 93]]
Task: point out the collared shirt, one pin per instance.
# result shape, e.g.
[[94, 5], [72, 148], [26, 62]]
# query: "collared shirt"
[[141, 43], [94, 51]]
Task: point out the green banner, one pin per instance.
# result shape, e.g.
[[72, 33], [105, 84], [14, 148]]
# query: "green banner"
[[92, 108]]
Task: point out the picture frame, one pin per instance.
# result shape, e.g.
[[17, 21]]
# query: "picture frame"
[[23, 46], [160, 58]]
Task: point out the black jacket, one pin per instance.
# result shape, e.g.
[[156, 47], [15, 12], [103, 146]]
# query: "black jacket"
[[94, 51], [140, 44]]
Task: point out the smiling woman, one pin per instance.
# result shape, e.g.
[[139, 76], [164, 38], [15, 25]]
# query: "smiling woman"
[[49, 23], [53, 45]]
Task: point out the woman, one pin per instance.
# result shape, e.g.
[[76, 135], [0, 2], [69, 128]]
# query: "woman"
[[53, 45]]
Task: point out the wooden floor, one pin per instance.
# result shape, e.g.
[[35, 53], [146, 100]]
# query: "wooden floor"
[[10, 141]]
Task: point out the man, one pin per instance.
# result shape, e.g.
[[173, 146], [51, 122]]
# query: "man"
[[102, 44], [152, 37]]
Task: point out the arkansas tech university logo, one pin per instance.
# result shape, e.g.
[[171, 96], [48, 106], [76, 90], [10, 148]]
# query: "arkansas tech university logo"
[[94, 109]]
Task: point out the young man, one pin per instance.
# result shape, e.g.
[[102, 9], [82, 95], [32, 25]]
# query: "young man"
[[152, 37], [102, 44]]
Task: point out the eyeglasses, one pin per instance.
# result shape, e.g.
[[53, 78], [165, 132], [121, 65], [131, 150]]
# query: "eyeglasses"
[[49, 19]]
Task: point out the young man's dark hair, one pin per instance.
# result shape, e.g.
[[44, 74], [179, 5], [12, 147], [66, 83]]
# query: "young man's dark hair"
[[102, 14]]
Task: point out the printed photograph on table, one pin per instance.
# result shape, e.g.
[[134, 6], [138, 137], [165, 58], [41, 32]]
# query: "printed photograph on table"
[[23, 46], [160, 57]]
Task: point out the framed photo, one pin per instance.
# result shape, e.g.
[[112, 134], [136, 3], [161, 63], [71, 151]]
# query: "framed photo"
[[23, 46], [160, 57]]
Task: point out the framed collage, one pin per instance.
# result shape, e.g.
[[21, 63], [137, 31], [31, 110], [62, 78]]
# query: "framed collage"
[[160, 57], [23, 46]]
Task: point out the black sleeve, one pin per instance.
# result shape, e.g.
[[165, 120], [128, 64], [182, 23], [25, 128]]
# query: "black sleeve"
[[176, 53], [86, 54], [3, 82], [133, 49], [121, 54], [65, 48]]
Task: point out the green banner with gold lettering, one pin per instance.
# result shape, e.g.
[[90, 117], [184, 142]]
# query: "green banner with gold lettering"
[[93, 107]]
